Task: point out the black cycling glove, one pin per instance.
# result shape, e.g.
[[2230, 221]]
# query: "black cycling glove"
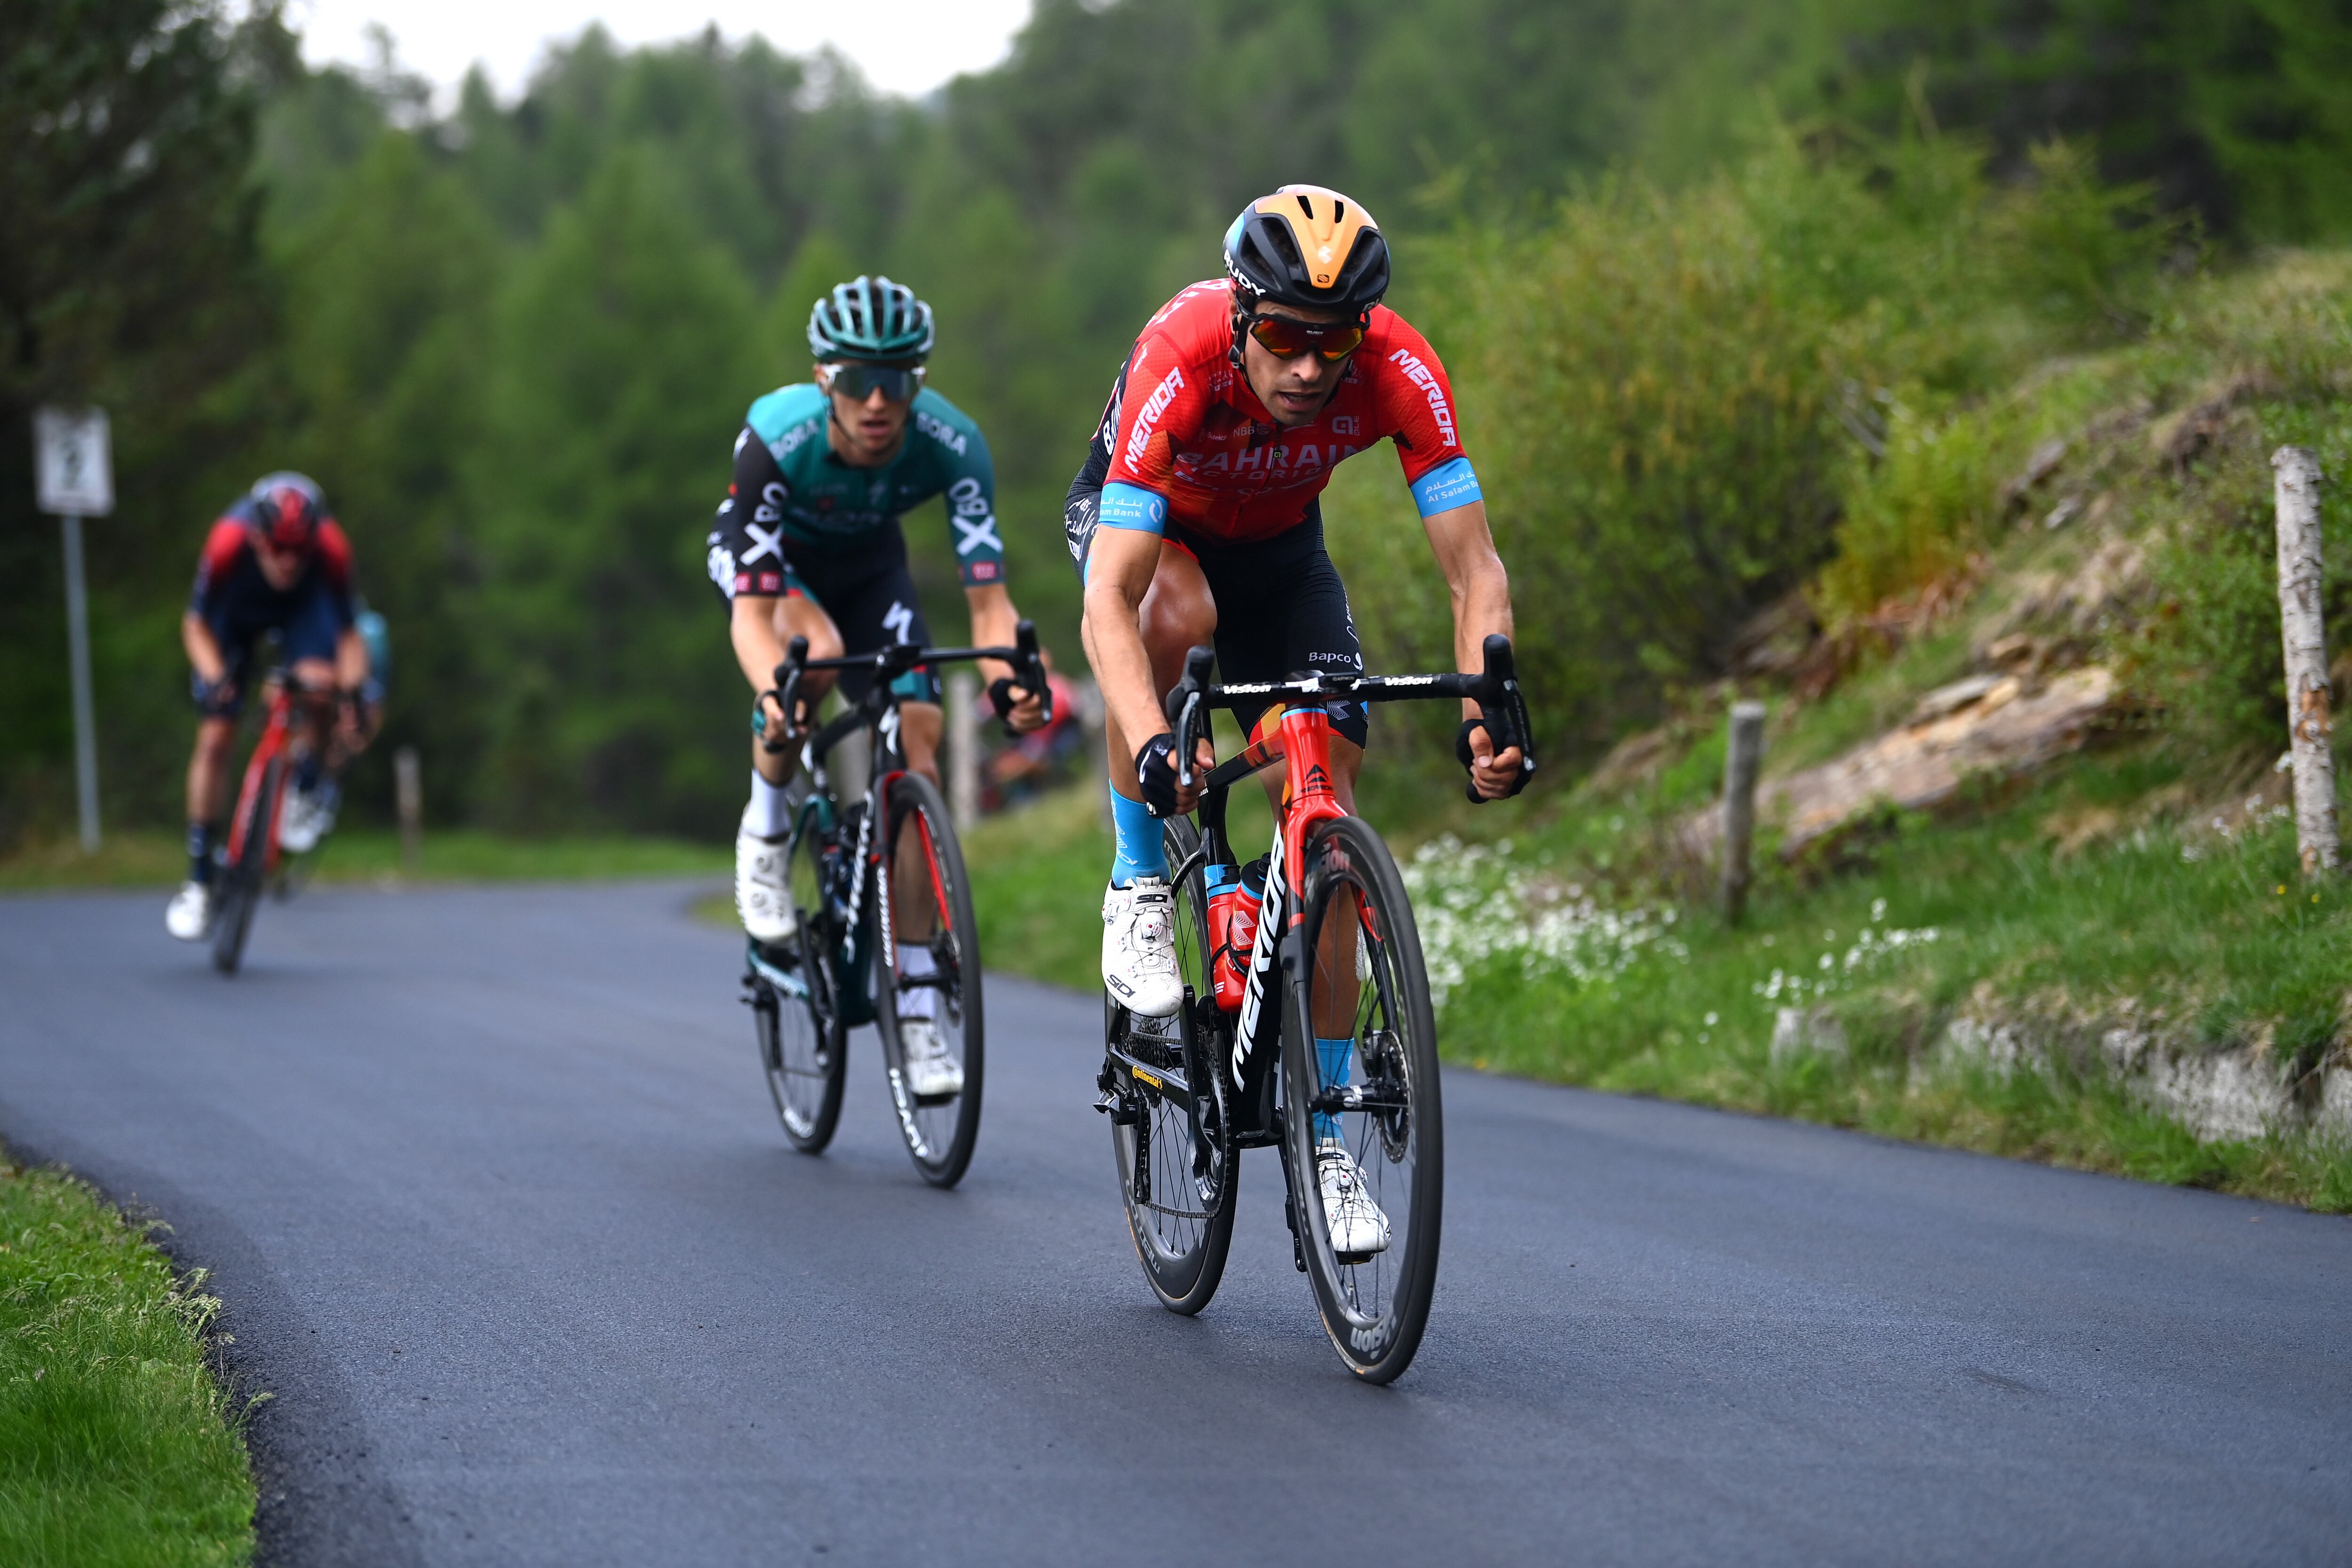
[[1461, 751], [1000, 695], [1155, 774]]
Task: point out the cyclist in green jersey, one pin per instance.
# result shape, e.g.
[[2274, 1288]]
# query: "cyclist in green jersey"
[[807, 544]]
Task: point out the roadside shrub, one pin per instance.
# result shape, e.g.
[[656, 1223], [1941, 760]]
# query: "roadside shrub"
[[1674, 399]]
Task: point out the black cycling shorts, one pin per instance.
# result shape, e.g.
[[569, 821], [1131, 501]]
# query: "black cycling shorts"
[[870, 594], [1282, 610]]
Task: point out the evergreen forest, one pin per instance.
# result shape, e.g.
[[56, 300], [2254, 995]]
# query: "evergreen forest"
[[1714, 280]]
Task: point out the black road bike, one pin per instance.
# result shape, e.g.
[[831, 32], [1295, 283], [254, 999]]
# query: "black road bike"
[[1334, 939], [844, 963]]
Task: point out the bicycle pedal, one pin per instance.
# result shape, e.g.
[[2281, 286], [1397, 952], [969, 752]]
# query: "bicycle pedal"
[[1117, 1107]]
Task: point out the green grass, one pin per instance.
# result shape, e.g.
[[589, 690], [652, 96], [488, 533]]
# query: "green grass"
[[117, 1445], [2209, 941], [146, 859], [2065, 941]]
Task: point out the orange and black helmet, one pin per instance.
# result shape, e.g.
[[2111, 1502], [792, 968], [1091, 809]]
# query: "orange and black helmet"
[[1309, 247]]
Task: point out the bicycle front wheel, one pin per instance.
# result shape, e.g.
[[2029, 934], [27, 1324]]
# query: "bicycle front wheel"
[[241, 880], [933, 901], [1169, 1136], [1361, 1122], [794, 1008]]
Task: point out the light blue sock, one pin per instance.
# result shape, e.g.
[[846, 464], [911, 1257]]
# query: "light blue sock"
[[1139, 852], [1331, 1059]]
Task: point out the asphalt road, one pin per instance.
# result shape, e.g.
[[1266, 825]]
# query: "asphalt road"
[[489, 1183]]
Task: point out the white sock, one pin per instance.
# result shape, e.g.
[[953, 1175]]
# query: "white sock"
[[770, 816], [915, 963]]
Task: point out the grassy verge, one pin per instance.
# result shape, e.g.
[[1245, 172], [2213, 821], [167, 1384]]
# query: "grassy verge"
[[117, 1446], [1559, 959], [2191, 937], [137, 859]]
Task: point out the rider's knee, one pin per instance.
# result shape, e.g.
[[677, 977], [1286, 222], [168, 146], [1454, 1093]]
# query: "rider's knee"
[[1173, 618]]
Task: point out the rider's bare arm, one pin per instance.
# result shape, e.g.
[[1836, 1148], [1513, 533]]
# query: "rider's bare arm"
[[993, 621], [203, 648], [752, 626], [1120, 569], [350, 659], [1481, 593]]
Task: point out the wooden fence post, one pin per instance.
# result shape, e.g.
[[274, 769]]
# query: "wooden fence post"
[[2302, 637], [1746, 757], [963, 750], [408, 795], [1094, 718]]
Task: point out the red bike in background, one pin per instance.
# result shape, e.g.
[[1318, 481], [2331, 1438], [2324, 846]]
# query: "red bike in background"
[[253, 854]]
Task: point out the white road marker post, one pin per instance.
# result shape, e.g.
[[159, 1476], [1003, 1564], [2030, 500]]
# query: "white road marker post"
[[963, 750], [75, 468], [1740, 768], [408, 794], [2302, 637]]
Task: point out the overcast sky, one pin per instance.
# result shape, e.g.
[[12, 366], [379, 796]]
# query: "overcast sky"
[[902, 45]]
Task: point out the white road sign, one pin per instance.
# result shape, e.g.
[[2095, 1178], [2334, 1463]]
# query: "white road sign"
[[77, 463]]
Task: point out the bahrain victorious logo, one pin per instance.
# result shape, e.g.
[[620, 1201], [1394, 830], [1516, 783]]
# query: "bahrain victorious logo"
[[1422, 376], [1153, 407]]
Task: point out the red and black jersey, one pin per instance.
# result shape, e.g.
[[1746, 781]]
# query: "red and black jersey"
[[230, 589]]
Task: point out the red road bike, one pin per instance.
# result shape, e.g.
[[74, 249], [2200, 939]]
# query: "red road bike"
[[253, 855], [1333, 953]]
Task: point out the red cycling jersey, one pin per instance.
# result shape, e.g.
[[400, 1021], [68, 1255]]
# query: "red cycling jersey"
[[1185, 426]]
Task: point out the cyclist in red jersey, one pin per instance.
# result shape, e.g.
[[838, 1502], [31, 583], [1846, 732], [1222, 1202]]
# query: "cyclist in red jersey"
[[1197, 519], [277, 561]]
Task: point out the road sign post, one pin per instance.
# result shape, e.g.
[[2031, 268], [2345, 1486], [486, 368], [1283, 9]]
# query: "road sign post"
[[75, 468]]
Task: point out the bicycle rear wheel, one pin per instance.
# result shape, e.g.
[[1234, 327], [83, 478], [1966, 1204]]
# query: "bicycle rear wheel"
[[241, 880], [793, 1006], [1175, 1164], [918, 839], [1378, 1101]]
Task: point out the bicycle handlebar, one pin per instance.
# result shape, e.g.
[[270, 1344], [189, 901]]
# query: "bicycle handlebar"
[[1495, 690], [895, 659]]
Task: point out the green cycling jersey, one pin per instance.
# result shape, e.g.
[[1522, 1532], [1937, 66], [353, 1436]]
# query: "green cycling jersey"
[[793, 496]]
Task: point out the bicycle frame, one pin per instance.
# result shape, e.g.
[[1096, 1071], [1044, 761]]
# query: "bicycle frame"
[[276, 735], [1302, 741], [875, 713]]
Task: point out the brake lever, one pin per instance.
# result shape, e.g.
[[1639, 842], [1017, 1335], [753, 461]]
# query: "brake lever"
[[1033, 667], [1183, 706], [1503, 713]]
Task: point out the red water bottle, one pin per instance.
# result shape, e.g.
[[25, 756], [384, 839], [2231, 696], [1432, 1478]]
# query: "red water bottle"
[[1235, 894]]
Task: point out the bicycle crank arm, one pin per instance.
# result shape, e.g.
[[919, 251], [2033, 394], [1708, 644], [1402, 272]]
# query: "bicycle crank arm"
[[1358, 1097], [1169, 1082], [791, 985]]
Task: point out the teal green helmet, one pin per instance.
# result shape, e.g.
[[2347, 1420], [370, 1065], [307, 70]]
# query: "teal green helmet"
[[870, 319]]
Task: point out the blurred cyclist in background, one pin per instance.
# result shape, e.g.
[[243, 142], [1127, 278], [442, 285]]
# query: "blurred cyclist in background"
[[274, 561]]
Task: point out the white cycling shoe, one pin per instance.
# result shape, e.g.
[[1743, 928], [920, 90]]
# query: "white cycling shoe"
[[1139, 954], [761, 896], [930, 1069], [190, 915], [308, 815], [1359, 1228]]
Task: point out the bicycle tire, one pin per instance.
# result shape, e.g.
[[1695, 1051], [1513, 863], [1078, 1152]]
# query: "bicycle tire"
[[1181, 1216], [938, 1133], [804, 1045], [1374, 1305], [233, 923]]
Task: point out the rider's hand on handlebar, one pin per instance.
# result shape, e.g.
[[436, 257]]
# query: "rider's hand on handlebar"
[[1492, 776], [1155, 774], [776, 727], [1020, 709]]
